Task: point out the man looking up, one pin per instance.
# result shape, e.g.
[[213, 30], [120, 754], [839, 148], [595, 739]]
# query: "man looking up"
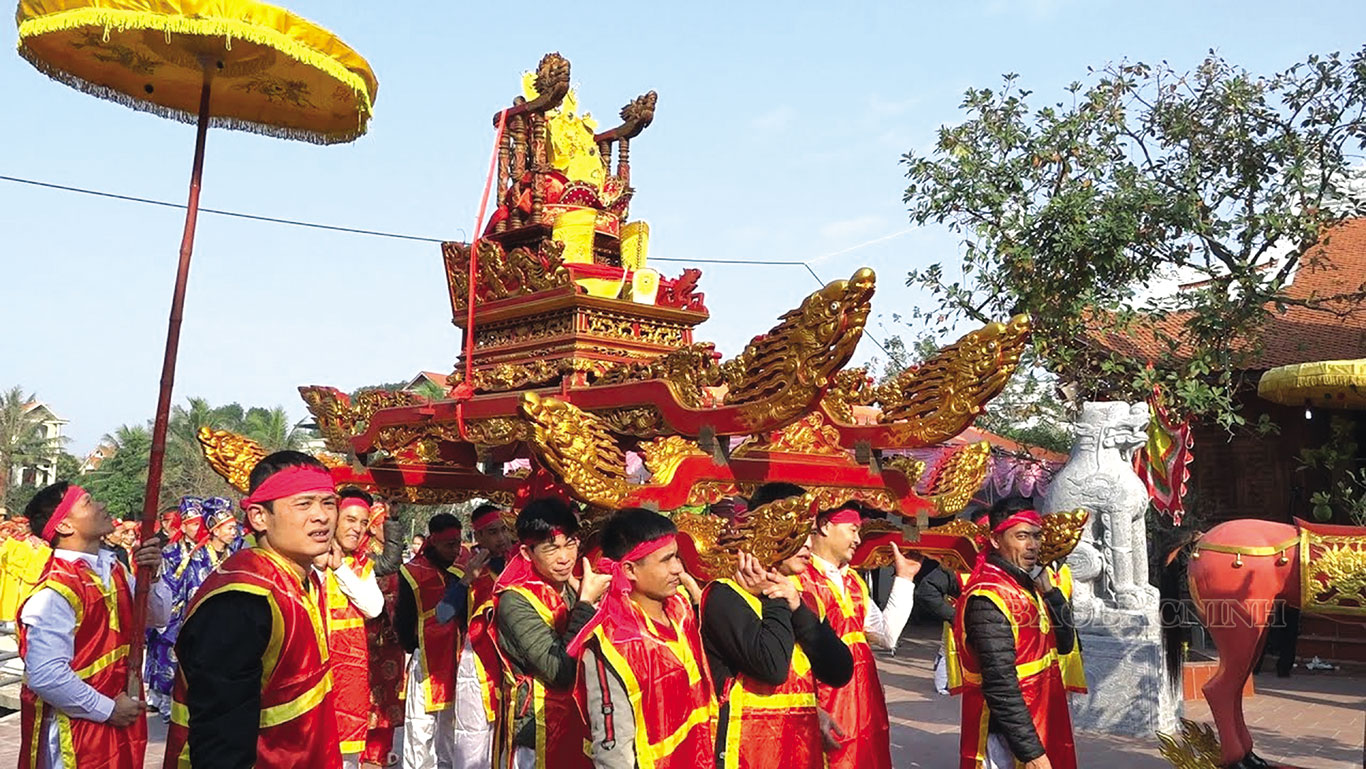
[[254, 687], [533, 623], [74, 634], [1010, 629], [428, 731], [648, 693], [859, 734]]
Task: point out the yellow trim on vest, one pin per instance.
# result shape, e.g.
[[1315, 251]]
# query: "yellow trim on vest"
[[854, 637], [65, 738], [90, 670], [288, 711], [346, 624], [271, 658], [76, 604]]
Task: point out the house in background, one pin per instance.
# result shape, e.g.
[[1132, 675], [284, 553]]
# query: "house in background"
[[429, 383], [94, 459], [49, 429]]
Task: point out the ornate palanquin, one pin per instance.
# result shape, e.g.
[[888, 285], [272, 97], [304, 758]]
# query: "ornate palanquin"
[[584, 357]]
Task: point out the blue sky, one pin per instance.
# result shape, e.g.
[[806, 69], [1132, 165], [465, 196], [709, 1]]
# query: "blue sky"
[[777, 137]]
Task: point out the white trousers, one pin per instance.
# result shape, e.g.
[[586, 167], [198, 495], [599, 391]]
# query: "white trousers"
[[941, 670], [998, 753], [427, 737], [473, 734], [525, 758]]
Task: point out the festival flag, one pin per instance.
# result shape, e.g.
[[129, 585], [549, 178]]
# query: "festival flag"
[[1164, 461]]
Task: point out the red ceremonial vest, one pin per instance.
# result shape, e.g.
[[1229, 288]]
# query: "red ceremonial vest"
[[104, 618], [765, 721], [298, 723], [669, 686], [487, 663], [860, 706], [561, 731], [438, 643], [1036, 665], [350, 659]]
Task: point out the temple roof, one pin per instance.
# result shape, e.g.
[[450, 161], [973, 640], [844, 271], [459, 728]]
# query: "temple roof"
[[1297, 334]]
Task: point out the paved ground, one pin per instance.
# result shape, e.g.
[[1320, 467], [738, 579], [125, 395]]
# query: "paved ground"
[[1314, 721]]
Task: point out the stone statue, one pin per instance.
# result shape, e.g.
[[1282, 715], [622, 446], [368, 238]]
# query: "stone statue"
[[1110, 564]]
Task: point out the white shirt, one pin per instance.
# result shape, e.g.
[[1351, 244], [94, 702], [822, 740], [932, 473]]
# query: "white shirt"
[[363, 592], [51, 635], [882, 627]]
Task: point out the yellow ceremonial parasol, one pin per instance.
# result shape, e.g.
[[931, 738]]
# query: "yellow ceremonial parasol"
[[230, 63], [1332, 384]]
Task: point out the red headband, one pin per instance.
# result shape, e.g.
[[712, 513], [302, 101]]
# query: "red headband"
[[299, 479], [353, 502], [69, 499], [445, 535], [486, 518], [845, 515], [1024, 516], [615, 607], [554, 532]]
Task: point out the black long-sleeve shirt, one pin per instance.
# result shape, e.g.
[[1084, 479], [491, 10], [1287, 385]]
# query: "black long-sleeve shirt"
[[988, 632], [390, 558], [736, 641], [933, 589], [220, 650]]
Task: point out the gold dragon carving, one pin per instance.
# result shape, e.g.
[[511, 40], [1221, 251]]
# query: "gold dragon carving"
[[662, 456], [503, 274], [779, 373], [331, 409], [771, 533], [687, 369], [910, 467], [958, 477], [1196, 747], [578, 448], [938, 399], [230, 455], [808, 435]]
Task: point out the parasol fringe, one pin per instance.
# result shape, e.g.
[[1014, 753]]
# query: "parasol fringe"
[[229, 29], [231, 123]]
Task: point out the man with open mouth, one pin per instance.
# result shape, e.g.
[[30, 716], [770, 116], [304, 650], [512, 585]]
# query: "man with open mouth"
[[254, 686]]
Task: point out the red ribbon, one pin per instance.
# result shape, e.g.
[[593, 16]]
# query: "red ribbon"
[[446, 535], [488, 518], [288, 482], [69, 499], [616, 608], [1024, 516]]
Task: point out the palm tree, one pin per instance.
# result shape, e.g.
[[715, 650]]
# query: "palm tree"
[[272, 428], [23, 439], [121, 480]]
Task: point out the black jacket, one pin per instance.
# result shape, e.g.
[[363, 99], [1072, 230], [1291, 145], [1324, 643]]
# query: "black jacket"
[[988, 632], [932, 593]]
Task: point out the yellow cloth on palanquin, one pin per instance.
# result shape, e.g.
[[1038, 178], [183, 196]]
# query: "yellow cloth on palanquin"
[[273, 72]]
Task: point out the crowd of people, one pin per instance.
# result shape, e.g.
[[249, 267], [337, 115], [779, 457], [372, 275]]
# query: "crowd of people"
[[307, 639]]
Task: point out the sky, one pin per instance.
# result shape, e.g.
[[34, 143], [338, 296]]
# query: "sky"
[[777, 137]]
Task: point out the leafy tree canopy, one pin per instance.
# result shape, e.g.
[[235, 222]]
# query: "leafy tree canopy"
[[1073, 210]]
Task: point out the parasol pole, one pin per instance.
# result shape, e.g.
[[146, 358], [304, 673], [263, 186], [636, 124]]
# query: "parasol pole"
[[158, 455]]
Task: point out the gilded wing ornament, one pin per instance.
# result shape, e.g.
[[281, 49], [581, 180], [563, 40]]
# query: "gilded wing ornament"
[[231, 455], [940, 398]]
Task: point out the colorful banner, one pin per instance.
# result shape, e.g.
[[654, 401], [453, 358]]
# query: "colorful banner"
[[1164, 462]]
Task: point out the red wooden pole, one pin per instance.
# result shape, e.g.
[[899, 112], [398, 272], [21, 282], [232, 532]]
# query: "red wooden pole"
[[157, 459]]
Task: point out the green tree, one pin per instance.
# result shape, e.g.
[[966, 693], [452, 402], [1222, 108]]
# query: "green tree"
[[1072, 210], [185, 471], [23, 441], [273, 429], [120, 482]]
